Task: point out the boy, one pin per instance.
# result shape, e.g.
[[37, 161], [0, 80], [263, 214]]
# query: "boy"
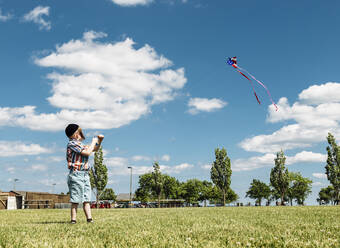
[[78, 180]]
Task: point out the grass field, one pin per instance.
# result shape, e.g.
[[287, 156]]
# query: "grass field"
[[182, 227]]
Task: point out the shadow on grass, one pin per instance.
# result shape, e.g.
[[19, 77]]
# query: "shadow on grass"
[[52, 222]]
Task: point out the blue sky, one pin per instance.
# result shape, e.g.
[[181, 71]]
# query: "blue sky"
[[151, 76]]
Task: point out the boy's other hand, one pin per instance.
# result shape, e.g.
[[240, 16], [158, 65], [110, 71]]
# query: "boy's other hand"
[[100, 137]]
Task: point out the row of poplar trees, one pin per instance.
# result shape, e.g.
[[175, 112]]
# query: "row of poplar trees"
[[156, 185], [284, 185], [287, 186], [332, 192]]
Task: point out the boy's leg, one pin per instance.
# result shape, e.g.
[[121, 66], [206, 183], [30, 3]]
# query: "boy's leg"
[[87, 198], [87, 210], [74, 207]]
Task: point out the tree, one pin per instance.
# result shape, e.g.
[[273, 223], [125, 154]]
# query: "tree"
[[217, 196], [98, 174], [299, 188], [221, 172], [191, 190], [279, 176], [108, 194], [206, 191], [144, 192], [258, 190], [157, 182], [170, 187], [327, 195], [333, 166]]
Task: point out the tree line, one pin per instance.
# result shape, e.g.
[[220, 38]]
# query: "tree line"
[[284, 185], [156, 185]]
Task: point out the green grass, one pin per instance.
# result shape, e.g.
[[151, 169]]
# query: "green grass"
[[182, 227]]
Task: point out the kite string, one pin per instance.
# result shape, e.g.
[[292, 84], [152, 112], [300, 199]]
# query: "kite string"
[[262, 84], [252, 85]]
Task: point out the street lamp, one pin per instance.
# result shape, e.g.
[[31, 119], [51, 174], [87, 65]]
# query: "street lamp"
[[14, 181], [54, 184], [130, 167]]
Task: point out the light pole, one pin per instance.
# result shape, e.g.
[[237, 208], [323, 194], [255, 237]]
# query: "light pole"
[[14, 181], [130, 167], [53, 185]]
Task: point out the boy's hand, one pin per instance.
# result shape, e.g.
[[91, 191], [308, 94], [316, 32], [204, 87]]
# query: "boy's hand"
[[100, 137], [95, 140]]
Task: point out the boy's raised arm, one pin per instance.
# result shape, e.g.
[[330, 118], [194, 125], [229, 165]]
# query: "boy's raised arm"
[[100, 139], [88, 150]]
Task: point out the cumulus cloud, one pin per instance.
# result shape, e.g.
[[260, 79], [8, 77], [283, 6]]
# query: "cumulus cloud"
[[319, 94], [312, 116], [36, 16], [318, 184], [165, 158], [129, 3], [4, 17], [267, 160], [101, 85], [176, 169], [306, 157], [18, 148], [140, 158], [39, 167], [11, 170], [320, 175], [118, 166], [197, 105], [206, 166]]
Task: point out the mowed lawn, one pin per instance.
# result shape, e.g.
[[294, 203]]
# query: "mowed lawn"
[[181, 227]]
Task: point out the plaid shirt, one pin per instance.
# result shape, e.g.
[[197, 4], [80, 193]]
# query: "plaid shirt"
[[76, 161]]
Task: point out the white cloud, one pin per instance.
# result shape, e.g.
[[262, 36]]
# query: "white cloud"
[[18, 148], [320, 175], [197, 105], [140, 158], [165, 158], [116, 162], [50, 182], [267, 160], [56, 159], [319, 94], [36, 16], [206, 167], [131, 3], [253, 163], [127, 3], [11, 170], [318, 184], [306, 157], [116, 84], [314, 117], [175, 169], [118, 166], [39, 167], [4, 17]]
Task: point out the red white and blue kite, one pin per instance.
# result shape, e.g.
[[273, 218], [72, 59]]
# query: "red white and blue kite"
[[233, 62]]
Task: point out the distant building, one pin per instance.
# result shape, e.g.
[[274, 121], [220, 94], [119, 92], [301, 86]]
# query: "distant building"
[[124, 197], [31, 200]]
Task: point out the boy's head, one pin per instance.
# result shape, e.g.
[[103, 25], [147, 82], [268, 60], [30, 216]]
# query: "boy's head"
[[73, 131]]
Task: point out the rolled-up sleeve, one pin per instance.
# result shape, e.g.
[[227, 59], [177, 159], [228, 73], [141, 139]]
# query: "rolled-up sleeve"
[[77, 147]]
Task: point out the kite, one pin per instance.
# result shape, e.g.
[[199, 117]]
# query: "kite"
[[233, 62]]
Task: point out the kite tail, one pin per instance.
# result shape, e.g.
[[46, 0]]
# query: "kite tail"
[[262, 84], [252, 85]]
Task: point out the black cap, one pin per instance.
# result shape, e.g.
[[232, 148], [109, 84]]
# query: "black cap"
[[71, 129]]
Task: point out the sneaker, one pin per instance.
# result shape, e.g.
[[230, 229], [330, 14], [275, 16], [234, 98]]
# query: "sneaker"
[[89, 220], [73, 221]]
